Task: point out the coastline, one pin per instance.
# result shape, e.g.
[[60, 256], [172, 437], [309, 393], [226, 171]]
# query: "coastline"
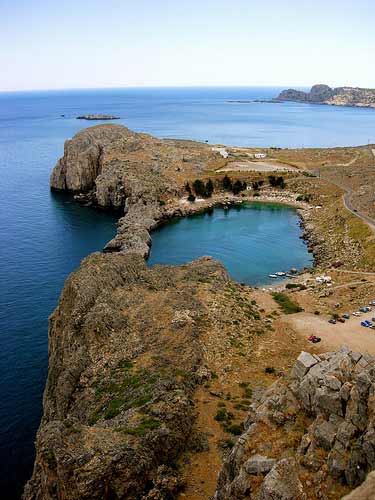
[[123, 242], [102, 331]]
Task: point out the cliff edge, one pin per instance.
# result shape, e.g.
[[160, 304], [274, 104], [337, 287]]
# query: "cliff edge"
[[124, 359]]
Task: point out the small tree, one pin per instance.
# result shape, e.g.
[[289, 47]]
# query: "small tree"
[[187, 188], [255, 185], [227, 183], [209, 188], [199, 187], [191, 198], [272, 180], [237, 187]]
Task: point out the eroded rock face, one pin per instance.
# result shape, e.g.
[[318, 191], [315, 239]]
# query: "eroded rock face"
[[114, 168], [328, 406], [116, 164], [118, 406]]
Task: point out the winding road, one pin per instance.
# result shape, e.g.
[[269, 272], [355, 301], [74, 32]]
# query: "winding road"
[[347, 202]]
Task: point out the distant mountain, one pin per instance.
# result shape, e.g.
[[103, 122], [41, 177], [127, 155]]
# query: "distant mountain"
[[323, 94]]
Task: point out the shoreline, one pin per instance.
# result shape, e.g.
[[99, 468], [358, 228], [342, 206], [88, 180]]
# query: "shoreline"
[[124, 242]]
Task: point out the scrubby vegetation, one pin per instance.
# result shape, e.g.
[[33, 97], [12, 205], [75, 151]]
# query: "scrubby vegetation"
[[295, 286], [276, 181], [236, 187], [286, 304], [304, 197]]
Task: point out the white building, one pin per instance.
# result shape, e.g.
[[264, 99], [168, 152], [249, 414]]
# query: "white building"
[[260, 155], [222, 151]]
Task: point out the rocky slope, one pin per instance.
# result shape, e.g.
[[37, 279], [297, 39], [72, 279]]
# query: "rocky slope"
[[306, 431], [124, 360], [323, 94]]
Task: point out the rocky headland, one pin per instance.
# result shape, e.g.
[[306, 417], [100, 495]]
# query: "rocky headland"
[[323, 94], [152, 367]]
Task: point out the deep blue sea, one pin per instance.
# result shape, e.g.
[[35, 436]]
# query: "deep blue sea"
[[44, 236]]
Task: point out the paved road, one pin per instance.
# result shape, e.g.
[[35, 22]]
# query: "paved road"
[[348, 203]]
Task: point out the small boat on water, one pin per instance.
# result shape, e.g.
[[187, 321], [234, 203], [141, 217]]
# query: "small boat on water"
[[280, 273], [272, 276]]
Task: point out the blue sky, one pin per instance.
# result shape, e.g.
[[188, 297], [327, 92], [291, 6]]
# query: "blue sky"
[[48, 44]]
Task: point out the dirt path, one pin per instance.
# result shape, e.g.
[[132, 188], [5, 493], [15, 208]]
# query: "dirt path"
[[257, 166], [350, 333], [353, 160], [365, 273]]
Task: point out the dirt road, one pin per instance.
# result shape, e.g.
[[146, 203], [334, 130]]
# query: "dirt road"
[[348, 204]]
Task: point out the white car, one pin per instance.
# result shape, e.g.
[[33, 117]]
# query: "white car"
[[356, 313]]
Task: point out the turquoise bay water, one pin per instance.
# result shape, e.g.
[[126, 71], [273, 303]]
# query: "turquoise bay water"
[[252, 241], [43, 236]]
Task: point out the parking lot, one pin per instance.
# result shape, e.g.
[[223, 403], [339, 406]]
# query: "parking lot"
[[350, 333]]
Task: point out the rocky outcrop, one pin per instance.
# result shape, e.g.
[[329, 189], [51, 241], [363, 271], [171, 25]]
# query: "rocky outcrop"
[[124, 360], [116, 164], [364, 492], [114, 168], [322, 418], [323, 94]]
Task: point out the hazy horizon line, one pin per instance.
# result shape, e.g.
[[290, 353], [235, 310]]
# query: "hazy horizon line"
[[4, 91]]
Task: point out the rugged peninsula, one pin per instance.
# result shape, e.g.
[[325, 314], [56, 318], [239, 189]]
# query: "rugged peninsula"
[[323, 94], [173, 382]]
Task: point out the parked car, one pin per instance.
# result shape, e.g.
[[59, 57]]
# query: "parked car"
[[366, 323], [332, 321], [346, 316], [341, 320], [356, 313], [314, 339]]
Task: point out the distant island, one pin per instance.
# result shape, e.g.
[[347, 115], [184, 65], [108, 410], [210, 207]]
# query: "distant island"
[[97, 117], [323, 94]]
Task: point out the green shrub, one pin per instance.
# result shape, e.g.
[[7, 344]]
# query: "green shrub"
[[269, 369], [234, 429], [287, 306]]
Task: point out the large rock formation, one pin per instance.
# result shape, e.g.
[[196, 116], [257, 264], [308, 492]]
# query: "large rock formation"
[[115, 164], [124, 360], [323, 94], [115, 168], [322, 419]]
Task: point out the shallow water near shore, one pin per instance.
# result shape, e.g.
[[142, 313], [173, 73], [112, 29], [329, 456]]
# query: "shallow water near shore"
[[252, 240]]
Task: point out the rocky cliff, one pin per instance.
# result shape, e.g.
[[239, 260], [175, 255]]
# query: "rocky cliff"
[[125, 357], [323, 94], [307, 431], [115, 168]]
